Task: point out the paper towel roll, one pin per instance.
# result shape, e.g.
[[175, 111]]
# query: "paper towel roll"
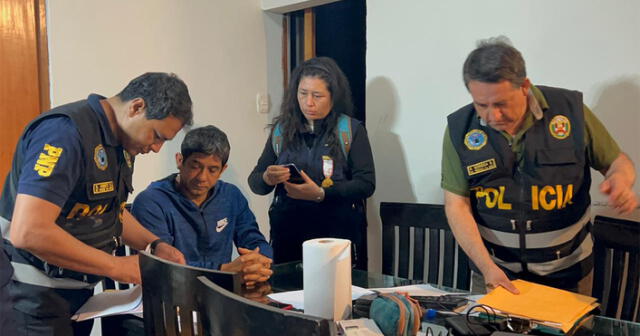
[[327, 278]]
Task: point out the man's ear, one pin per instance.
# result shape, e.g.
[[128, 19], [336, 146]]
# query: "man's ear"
[[526, 86], [179, 159], [223, 169], [136, 106]]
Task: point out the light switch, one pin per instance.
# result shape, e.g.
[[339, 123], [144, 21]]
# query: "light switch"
[[262, 103]]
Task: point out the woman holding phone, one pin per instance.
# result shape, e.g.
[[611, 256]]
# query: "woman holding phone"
[[315, 136]]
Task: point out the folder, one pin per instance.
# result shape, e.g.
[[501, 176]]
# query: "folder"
[[544, 305]]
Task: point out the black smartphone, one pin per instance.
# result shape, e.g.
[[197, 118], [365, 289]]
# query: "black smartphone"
[[295, 177]]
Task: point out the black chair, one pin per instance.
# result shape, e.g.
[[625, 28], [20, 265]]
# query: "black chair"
[[169, 295], [616, 254], [225, 313], [452, 264]]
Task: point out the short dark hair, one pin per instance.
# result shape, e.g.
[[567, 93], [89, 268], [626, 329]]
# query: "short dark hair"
[[493, 61], [164, 95], [208, 140], [292, 120]]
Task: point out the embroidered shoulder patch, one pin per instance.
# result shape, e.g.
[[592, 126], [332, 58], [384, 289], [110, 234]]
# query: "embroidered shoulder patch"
[[475, 139], [47, 160], [481, 167], [560, 127], [100, 157]]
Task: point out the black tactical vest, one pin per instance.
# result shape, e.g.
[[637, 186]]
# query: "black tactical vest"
[[549, 191], [93, 212], [310, 159]]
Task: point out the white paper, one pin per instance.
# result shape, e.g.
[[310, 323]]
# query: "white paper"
[[296, 298], [414, 290], [116, 302], [327, 278]]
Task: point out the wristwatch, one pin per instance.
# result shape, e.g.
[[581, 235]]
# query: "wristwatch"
[[151, 248]]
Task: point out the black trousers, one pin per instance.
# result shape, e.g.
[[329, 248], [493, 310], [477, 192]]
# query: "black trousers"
[[7, 323], [43, 311], [293, 223]]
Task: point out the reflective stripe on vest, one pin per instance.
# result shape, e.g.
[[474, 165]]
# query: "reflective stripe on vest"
[[545, 268], [30, 275], [535, 240]]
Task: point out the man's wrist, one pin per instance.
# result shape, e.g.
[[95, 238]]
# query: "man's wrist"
[[151, 248]]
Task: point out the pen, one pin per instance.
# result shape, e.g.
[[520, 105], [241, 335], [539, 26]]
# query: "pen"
[[431, 313]]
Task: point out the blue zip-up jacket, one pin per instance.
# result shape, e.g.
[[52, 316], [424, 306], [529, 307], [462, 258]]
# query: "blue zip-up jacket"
[[204, 235]]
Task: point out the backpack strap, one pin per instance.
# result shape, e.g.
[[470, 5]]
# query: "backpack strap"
[[276, 139], [345, 134]]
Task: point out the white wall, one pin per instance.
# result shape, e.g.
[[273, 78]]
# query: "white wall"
[[226, 51], [415, 52]]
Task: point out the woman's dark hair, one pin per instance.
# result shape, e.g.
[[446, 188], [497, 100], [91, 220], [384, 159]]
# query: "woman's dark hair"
[[292, 121]]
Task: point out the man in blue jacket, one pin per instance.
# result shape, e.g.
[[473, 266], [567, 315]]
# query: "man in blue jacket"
[[201, 215]]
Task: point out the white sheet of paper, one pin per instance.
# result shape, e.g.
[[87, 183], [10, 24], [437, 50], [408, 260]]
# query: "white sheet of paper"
[[414, 290], [128, 301], [296, 298]]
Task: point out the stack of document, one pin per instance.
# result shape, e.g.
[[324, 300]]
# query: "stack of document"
[[296, 298], [109, 303], [551, 307]]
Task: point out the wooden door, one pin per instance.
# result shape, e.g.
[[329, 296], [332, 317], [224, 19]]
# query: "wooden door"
[[24, 72]]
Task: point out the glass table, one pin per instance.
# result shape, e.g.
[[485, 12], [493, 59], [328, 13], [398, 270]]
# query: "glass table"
[[288, 277]]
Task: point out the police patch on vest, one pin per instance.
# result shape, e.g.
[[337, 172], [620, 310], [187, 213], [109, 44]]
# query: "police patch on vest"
[[481, 167], [560, 127], [100, 157], [103, 187], [475, 139]]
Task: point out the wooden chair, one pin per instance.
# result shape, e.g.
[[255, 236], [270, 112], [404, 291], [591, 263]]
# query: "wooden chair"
[[616, 254], [169, 295], [226, 313], [448, 265]]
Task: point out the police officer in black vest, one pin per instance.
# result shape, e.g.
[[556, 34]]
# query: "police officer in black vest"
[[62, 208], [516, 175]]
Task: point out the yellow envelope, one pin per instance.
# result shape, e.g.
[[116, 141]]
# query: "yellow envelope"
[[543, 304]]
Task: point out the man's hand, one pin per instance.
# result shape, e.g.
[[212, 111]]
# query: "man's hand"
[[308, 190], [254, 266], [619, 178], [126, 270], [275, 174], [168, 252], [495, 277], [621, 195]]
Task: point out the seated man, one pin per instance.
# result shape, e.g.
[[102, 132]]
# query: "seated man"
[[201, 215]]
